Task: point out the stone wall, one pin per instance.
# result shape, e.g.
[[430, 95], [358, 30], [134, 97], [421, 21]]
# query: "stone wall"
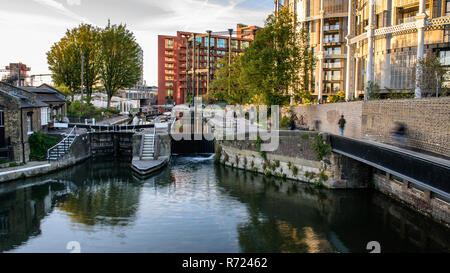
[[420, 200], [427, 120], [295, 159], [14, 118]]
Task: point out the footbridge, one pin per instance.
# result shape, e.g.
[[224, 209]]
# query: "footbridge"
[[426, 172]]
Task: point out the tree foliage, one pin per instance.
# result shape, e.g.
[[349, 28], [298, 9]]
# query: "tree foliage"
[[64, 61], [110, 56], [229, 85], [432, 75], [120, 65], [278, 62], [275, 67]]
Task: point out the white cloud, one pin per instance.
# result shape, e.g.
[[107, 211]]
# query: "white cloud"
[[62, 9], [46, 25], [73, 2]]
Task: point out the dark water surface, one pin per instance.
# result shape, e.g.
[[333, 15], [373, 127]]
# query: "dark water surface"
[[195, 206]]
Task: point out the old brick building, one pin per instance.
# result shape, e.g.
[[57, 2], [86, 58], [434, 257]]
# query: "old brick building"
[[24, 111]]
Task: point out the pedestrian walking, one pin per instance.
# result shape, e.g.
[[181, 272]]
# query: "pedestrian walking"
[[399, 133], [342, 123]]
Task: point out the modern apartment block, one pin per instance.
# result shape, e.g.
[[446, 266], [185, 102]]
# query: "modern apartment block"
[[361, 41], [186, 66], [172, 68]]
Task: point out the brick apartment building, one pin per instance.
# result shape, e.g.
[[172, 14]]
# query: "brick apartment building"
[[183, 60]]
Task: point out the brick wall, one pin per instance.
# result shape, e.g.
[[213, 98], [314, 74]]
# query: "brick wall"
[[329, 115], [427, 120]]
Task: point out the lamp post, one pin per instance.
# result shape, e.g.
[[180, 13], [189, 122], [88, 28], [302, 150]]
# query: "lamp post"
[[230, 31]]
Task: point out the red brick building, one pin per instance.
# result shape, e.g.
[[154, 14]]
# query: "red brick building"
[[172, 68], [183, 61]]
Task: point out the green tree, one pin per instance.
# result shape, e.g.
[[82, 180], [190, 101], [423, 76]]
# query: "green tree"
[[228, 85], [373, 91], [64, 62], [65, 59], [278, 63], [432, 75], [120, 66]]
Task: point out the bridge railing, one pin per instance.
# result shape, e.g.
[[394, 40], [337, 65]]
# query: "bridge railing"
[[427, 174], [112, 128]]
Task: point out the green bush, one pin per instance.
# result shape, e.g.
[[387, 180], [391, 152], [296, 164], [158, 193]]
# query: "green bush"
[[39, 145], [285, 122], [89, 111], [320, 147]]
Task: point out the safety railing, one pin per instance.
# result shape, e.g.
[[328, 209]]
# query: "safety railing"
[[63, 146]]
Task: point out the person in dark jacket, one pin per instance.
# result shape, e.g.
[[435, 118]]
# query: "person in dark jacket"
[[342, 123]]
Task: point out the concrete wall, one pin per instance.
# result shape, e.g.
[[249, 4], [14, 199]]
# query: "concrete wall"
[[427, 120]]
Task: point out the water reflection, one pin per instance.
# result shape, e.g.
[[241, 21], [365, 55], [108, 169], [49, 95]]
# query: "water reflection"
[[90, 194], [194, 206], [285, 216]]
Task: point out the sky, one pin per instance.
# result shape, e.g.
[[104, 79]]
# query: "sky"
[[28, 28]]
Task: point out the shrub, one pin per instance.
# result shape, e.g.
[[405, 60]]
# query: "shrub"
[[277, 163], [320, 147], [39, 145], [285, 122]]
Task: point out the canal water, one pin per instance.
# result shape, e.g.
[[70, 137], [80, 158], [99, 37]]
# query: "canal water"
[[195, 206]]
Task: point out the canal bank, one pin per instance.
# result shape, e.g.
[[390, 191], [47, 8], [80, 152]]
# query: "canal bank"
[[197, 206], [308, 157], [123, 145]]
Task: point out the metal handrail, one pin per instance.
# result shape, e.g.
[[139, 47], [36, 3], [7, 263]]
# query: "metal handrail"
[[66, 146]]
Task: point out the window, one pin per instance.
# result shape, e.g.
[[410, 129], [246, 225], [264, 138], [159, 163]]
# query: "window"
[[222, 43], [30, 122], [333, 63], [234, 44], [245, 45], [169, 59], [44, 116], [169, 65], [444, 55], [447, 9], [169, 78], [331, 38], [169, 43], [169, 52], [169, 71], [169, 84], [333, 75], [336, 50]]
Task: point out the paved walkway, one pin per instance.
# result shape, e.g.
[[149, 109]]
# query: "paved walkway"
[[113, 120], [32, 164], [424, 156]]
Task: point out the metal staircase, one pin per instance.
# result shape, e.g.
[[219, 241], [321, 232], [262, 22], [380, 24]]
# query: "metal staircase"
[[63, 147], [148, 147]]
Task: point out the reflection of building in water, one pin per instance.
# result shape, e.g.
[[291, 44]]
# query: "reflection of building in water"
[[287, 216], [21, 211], [98, 194], [104, 195]]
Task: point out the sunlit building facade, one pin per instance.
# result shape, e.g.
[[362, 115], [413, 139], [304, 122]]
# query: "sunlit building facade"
[[361, 41]]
